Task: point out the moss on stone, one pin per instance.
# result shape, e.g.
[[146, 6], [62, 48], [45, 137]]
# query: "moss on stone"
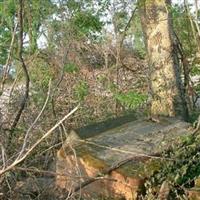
[[94, 162], [132, 169], [90, 159], [138, 168], [141, 168], [197, 182]]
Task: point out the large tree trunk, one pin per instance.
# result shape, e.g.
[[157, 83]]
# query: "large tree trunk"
[[165, 82]]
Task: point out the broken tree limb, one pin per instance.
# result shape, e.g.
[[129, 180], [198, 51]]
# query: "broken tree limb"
[[103, 173], [29, 151]]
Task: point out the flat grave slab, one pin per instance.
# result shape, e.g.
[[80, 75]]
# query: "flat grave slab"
[[138, 142]]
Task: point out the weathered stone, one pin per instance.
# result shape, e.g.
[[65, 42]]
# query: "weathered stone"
[[139, 140], [197, 182], [194, 194]]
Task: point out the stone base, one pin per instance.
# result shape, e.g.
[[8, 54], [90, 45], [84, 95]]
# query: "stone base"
[[80, 159], [194, 194], [116, 184]]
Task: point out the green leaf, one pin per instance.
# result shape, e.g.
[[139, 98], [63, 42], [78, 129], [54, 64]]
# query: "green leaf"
[[81, 90], [131, 99], [71, 68]]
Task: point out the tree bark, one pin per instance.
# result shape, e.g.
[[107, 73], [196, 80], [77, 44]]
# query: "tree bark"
[[165, 83]]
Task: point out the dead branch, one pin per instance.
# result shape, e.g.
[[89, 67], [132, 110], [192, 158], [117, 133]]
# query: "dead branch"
[[54, 174], [29, 151], [35, 121], [103, 173], [135, 154], [127, 26], [14, 84]]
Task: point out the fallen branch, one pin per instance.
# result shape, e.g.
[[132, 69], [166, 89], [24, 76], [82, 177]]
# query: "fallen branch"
[[52, 174], [135, 154], [103, 173], [22, 158], [35, 121]]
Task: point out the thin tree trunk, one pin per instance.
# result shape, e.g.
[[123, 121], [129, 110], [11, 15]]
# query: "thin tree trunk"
[[27, 79]]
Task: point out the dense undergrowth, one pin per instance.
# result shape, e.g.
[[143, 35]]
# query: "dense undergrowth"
[[179, 168]]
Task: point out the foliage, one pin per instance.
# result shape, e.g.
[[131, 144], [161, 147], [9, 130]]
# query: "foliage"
[[136, 30], [36, 13], [197, 89], [7, 18], [79, 21], [120, 18], [73, 30], [71, 68], [40, 75], [182, 27], [195, 70], [81, 90], [131, 99], [85, 22], [179, 169]]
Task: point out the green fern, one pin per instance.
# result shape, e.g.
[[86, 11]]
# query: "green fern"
[[81, 90], [131, 99]]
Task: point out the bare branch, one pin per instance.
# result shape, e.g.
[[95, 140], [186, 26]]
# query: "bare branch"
[[22, 158], [35, 121], [104, 172]]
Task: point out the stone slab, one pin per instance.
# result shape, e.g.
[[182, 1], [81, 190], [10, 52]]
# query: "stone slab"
[[83, 158]]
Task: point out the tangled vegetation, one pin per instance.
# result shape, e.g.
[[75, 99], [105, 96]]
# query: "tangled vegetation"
[[179, 168], [68, 64]]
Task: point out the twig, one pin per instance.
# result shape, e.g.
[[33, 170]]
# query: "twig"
[[127, 26], [19, 160], [136, 154], [13, 85], [35, 121], [53, 174], [3, 155], [103, 173]]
